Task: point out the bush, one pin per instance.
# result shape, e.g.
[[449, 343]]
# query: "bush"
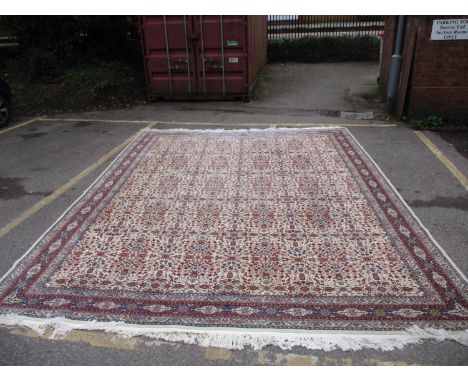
[[325, 49], [50, 44]]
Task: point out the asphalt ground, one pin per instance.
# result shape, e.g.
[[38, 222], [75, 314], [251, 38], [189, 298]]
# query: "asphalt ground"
[[46, 164]]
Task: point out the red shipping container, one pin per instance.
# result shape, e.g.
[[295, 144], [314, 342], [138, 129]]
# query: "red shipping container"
[[203, 57]]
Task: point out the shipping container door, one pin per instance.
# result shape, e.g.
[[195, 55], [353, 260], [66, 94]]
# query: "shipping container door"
[[169, 54], [221, 54]]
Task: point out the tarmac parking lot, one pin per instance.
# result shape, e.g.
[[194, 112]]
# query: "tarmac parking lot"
[[46, 163]]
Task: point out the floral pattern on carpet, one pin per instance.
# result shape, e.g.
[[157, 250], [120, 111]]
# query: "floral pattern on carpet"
[[290, 229]]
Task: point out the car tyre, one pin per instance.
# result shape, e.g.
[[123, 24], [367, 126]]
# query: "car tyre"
[[5, 111]]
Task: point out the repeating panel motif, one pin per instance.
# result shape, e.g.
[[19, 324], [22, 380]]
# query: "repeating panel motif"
[[275, 229]]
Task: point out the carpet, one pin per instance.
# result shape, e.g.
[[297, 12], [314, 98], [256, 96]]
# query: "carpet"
[[277, 235]]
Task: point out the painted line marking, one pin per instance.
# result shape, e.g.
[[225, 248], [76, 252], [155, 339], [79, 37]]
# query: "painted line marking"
[[152, 124], [285, 124], [441, 156], [95, 120], [21, 124], [65, 187]]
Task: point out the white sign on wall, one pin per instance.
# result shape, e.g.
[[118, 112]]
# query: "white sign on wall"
[[450, 29]]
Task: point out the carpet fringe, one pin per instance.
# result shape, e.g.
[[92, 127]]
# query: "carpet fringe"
[[245, 129], [236, 339]]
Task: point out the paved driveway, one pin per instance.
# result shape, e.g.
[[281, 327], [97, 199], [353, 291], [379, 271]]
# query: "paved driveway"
[[45, 165]]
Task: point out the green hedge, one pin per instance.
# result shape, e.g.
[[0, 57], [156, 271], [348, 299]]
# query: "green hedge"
[[325, 49]]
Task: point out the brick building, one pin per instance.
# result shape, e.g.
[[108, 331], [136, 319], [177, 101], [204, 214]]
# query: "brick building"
[[434, 73]]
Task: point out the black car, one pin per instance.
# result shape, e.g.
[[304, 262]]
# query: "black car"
[[5, 104]]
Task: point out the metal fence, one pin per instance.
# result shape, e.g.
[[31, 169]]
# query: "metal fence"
[[6, 39], [297, 26], [8, 42]]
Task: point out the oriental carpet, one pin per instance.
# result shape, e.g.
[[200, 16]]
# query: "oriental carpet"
[[273, 229]]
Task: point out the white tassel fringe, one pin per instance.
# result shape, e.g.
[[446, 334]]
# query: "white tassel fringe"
[[233, 338], [244, 129]]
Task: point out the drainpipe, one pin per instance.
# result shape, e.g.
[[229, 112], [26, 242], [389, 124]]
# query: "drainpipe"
[[395, 66]]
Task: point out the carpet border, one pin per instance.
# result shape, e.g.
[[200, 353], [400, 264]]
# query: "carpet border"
[[406, 205], [124, 150], [232, 337], [99, 177]]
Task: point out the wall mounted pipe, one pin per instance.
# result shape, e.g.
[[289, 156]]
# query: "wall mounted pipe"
[[395, 66]]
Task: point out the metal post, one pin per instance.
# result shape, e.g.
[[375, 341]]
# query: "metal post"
[[145, 63], [167, 54], [395, 66], [222, 54], [187, 58], [203, 55]]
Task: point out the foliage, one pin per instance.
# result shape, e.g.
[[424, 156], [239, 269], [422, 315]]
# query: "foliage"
[[325, 49], [94, 78], [427, 123], [48, 45]]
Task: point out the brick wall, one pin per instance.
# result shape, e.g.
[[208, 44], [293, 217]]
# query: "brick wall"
[[438, 83], [439, 79]]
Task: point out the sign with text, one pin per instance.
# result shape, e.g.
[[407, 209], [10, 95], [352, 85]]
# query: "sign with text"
[[450, 29]]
